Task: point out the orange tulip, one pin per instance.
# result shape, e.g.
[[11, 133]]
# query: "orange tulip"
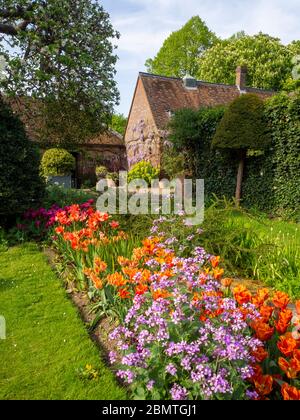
[[116, 280], [290, 393], [291, 369], [242, 294], [100, 266], [296, 355], [123, 262], [124, 294], [226, 282], [218, 273], [141, 289], [264, 385], [285, 316], [260, 354], [263, 331], [266, 312], [281, 327], [160, 294], [297, 304], [258, 372], [97, 283], [60, 230], [281, 300], [215, 261], [130, 272], [287, 344], [260, 297]]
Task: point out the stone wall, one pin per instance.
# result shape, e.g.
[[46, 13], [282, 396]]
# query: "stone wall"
[[91, 156], [142, 139]]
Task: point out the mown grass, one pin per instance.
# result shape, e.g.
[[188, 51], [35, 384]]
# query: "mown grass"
[[253, 245], [47, 343], [274, 251]]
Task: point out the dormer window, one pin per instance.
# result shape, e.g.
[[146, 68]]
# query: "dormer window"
[[190, 82]]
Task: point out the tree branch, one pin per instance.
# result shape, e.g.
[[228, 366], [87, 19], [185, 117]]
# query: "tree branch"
[[17, 14]]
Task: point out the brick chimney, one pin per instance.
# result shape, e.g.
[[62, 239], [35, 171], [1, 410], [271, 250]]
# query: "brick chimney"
[[241, 77]]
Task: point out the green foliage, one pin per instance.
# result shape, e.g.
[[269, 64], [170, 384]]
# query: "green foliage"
[[143, 170], [101, 171], [269, 62], [61, 51], [191, 132], [20, 183], [243, 125], [172, 162], [118, 123], [181, 50], [253, 246], [57, 195], [57, 162], [283, 114], [250, 244], [271, 179], [67, 124]]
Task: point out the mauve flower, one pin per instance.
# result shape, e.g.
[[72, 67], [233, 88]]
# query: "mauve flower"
[[178, 393], [171, 369], [112, 357], [150, 385]]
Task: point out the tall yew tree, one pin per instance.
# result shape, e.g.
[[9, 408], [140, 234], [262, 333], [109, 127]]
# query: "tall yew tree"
[[20, 184], [242, 128], [61, 52]]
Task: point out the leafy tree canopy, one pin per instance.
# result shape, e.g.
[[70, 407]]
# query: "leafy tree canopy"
[[269, 62], [181, 50], [118, 123], [60, 51]]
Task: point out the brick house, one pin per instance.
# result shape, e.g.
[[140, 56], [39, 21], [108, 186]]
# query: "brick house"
[[157, 97], [106, 148]]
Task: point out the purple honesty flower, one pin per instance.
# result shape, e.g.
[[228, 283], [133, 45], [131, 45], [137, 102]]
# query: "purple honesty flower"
[[252, 395], [150, 385], [112, 357], [171, 369], [127, 375], [178, 393]]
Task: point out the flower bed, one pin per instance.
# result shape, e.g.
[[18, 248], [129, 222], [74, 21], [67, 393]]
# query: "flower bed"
[[183, 333]]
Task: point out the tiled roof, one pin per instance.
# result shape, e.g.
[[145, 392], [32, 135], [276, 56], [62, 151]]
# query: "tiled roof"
[[109, 137], [28, 112], [168, 94]]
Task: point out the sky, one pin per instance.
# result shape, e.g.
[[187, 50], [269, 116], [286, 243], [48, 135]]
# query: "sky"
[[145, 24]]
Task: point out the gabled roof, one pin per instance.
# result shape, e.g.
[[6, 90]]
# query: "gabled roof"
[[168, 94], [28, 111]]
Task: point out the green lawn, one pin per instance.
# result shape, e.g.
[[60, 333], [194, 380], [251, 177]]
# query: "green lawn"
[[276, 259], [46, 340]]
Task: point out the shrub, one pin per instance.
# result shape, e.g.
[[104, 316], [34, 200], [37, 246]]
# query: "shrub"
[[143, 170], [191, 132], [173, 163], [20, 182], [242, 127], [101, 172], [283, 115], [57, 162]]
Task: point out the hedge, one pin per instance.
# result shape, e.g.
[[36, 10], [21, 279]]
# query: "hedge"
[[272, 178]]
